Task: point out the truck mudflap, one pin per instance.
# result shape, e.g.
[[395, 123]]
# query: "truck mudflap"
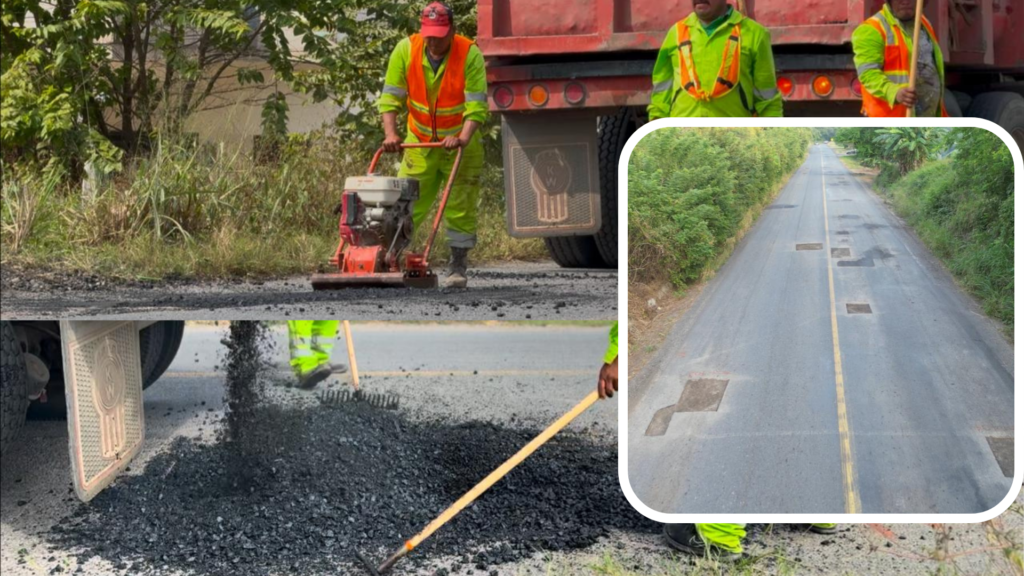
[[551, 178], [103, 383]]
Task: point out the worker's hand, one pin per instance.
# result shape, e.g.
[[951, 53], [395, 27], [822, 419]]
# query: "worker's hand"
[[392, 143], [906, 96], [608, 379], [452, 142]]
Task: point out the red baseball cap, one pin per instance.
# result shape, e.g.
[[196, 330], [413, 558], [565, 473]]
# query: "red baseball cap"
[[436, 20]]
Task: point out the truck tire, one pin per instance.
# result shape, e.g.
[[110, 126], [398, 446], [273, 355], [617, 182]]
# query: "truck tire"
[[1003, 108], [158, 344], [13, 382], [574, 251], [612, 134], [952, 101]]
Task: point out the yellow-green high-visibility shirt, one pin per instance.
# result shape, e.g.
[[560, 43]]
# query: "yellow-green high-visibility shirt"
[[869, 57], [613, 344], [395, 92], [756, 92]]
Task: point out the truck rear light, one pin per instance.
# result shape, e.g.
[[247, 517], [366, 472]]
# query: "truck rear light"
[[574, 93], [538, 95], [856, 87], [785, 86], [822, 86], [503, 96]]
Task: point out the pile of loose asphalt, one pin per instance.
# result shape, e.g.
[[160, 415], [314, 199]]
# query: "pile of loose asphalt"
[[301, 491]]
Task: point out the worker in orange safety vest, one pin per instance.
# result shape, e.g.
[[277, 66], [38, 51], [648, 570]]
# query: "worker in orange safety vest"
[[882, 49]]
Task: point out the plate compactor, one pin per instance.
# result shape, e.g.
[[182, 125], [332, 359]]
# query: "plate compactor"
[[375, 228]]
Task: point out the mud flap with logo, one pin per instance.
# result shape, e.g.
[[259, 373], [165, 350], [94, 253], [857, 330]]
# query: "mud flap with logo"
[[551, 179], [103, 383]]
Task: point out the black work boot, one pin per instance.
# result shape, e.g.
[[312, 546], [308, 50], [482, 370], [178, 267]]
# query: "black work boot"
[[457, 268], [685, 538], [310, 379]]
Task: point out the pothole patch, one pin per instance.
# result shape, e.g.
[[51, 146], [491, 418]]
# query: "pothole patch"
[[858, 308], [703, 395], [809, 246], [1002, 449]]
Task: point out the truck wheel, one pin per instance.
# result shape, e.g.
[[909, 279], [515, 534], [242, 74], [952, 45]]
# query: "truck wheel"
[[612, 134], [13, 381], [1003, 108], [158, 344], [574, 251], [952, 102]]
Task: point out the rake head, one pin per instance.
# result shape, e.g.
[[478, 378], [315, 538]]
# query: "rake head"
[[377, 400]]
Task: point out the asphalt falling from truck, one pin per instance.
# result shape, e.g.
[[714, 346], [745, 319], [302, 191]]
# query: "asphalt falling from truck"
[[325, 482]]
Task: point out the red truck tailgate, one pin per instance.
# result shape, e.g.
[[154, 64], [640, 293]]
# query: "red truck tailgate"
[[524, 27]]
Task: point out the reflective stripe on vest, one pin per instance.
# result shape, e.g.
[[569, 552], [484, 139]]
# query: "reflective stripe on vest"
[[728, 73], [432, 121], [895, 66]]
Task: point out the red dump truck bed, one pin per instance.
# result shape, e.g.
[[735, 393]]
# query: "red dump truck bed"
[[972, 32]]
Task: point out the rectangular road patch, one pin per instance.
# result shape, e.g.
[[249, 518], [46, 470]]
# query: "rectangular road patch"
[[858, 308], [1002, 449], [817, 246], [702, 395], [841, 253]]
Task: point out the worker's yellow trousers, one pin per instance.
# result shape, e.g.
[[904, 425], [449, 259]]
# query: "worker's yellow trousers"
[[729, 536], [310, 343], [431, 167]]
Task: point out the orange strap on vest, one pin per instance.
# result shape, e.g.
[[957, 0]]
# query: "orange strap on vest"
[[728, 73], [432, 121], [896, 67]]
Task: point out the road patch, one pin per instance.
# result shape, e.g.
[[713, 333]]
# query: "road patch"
[[1002, 449], [858, 308], [813, 246]]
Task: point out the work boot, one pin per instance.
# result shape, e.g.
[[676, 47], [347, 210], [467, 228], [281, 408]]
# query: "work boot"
[[824, 528], [685, 538], [338, 368], [310, 379], [457, 268]]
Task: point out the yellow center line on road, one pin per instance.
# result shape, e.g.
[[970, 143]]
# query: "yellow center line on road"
[[850, 494], [425, 373]]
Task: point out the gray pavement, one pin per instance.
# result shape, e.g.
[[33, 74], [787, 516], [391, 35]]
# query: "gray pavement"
[[530, 373], [925, 380], [516, 291]]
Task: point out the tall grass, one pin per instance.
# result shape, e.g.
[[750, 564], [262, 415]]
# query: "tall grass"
[[692, 190], [197, 211], [964, 213]]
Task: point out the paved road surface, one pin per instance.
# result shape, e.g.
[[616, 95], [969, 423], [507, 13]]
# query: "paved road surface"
[[506, 292], [825, 409], [524, 373]]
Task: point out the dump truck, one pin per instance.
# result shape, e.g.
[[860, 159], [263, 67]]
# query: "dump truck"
[[92, 373], [571, 82]]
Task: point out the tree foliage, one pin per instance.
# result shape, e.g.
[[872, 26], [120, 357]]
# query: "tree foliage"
[[85, 80], [690, 190]]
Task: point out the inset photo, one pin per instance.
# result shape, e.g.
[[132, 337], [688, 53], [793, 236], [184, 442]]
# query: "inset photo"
[[821, 320]]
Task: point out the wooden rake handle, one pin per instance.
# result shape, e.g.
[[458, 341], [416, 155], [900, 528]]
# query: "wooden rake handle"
[[351, 355], [914, 51], [491, 478]]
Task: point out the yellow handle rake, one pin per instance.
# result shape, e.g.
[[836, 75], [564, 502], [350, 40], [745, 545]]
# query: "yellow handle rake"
[[482, 486]]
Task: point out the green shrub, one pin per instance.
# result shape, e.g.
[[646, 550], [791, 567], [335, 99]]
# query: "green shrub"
[[690, 190], [963, 210]]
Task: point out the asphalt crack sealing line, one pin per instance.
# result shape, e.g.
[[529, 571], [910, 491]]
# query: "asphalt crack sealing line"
[[299, 491]]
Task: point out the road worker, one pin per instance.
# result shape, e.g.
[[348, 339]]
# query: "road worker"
[[438, 77], [882, 49], [715, 62], [310, 343], [722, 541], [608, 376]]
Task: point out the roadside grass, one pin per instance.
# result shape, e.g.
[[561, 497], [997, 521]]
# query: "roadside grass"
[[687, 216], [193, 211]]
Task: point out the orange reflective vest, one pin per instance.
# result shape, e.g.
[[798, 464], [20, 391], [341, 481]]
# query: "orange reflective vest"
[[728, 73], [432, 121], [896, 67]]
